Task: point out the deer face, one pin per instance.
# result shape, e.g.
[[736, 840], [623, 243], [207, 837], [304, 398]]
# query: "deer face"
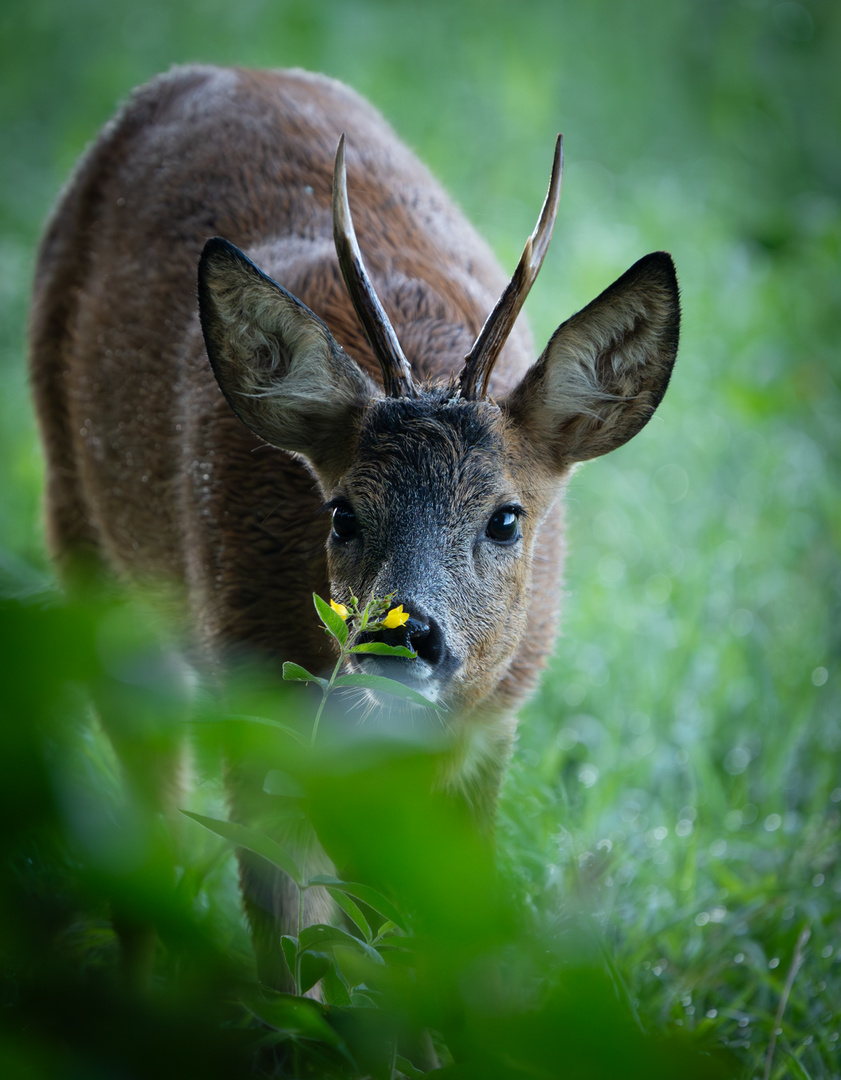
[[437, 511]]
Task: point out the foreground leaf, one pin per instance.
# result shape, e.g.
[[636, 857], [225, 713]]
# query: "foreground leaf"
[[314, 966], [294, 1015], [379, 648], [289, 945], [352, 911], [386, 686], [296, 673], [321, 937], [365, 893], [251, 840], [334, 624]]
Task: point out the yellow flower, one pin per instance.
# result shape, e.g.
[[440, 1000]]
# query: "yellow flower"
[[340, 610], [396, 617]]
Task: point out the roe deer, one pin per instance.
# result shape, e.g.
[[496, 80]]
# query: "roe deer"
[[428, 427]]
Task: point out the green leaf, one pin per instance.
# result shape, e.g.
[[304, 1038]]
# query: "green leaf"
[[251, 840], [379, 648], [281, 783], [386, 686], [352, 911], [313, 966], [296, 673], [333, 987], [327, 937], [364, 893], [334, 624], [296, 1015], [264, 721], [408, 1069], [362, 1001], [354, 966], [290, 952]]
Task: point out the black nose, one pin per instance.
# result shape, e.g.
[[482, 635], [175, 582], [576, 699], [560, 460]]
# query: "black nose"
[[421, 634]]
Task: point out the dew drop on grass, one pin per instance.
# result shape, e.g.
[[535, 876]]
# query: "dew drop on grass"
[[588, 774], [774, 962], [737, 760]]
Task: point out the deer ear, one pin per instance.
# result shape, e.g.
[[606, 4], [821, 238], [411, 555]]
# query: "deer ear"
[[278, 365], [605, 370]]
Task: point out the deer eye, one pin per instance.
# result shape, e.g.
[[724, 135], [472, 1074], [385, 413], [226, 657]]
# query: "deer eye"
[[344, 522], [504, 525]]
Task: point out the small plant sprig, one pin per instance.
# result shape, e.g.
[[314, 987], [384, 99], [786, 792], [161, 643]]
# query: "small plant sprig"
[[346, 624]]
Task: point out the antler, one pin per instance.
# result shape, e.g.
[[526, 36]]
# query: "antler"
[[479, 362], [397, 374]]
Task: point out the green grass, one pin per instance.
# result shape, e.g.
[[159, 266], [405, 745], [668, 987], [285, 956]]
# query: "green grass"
[[677, 788]]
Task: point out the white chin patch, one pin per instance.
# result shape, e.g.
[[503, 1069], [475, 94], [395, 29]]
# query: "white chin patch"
[[430, 690]]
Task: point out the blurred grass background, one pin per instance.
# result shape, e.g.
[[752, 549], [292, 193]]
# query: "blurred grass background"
[[679, 772]]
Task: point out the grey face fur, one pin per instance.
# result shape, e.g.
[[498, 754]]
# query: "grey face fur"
[[428, 477]]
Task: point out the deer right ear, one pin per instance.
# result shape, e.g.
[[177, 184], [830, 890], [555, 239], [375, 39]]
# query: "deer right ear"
[[277, 364], [605, 370]]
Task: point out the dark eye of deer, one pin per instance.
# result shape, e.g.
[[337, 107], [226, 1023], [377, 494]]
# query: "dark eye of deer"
[[344, 523], [503, 526]]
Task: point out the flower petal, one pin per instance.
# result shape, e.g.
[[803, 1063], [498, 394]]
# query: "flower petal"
[[396, 617], [340, 609]]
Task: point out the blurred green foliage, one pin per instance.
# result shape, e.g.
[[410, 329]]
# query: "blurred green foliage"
[[437, 945], [677, 786]]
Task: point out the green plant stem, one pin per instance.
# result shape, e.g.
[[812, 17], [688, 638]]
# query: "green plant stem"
[[366, 619], [304, 855], [325, 691], [796, 961]]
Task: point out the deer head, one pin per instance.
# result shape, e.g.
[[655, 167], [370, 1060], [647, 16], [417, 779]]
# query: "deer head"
[[438, 491]]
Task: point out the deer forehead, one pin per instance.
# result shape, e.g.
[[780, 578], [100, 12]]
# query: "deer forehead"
[[432, 454]]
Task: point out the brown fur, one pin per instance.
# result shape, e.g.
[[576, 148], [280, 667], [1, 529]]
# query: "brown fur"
[[151, 474]]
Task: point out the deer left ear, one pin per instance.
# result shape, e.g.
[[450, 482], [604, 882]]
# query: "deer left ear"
[[605, 370]]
